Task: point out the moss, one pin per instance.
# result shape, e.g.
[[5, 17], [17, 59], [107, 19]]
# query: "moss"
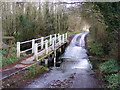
[[32, 67], [34, 71], [45, 55]]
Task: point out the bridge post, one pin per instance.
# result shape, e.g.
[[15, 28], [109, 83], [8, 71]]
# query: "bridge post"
[[58, 34], [46, 62], [18, 49], [42, 42], [59, 39], [50, 39], [46, 46], [36, 52], [53, 40], [33, 45], [54, 48], [63, 38]]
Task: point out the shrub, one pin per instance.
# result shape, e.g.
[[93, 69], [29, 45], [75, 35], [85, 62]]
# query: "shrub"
[[114, 80], [110, 72], [10, 60], [109, 66], [13, 58], [95, 49]]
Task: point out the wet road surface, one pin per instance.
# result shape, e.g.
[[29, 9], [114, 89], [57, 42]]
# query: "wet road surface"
[[74, 72]]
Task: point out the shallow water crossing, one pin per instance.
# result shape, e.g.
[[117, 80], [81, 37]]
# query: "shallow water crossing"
[[74, 72], [75, 55]]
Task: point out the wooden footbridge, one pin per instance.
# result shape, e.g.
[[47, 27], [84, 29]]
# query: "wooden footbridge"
[[43, 45], [40, 49]]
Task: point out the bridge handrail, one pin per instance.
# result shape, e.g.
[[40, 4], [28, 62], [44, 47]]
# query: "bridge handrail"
[[47, 41], [35, 39]]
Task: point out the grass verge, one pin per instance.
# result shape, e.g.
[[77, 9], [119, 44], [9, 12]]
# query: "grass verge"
[[8, 60], [20, 78], [110, 73]]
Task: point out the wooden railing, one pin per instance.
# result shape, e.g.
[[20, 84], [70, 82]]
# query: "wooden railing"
[[44, 43]]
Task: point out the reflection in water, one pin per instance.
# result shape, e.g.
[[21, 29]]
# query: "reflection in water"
[[75, 56], [76, 63]]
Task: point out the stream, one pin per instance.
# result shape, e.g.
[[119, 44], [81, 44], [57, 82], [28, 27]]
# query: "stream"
[[74, 72]]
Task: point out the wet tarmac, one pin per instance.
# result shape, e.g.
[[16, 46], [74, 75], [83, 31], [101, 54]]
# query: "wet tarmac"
[[57, 78], [74, 72]]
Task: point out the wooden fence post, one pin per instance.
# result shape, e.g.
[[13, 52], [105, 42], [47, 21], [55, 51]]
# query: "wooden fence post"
[[18, 49], [55, 38], [36, 51], [63, 38], [50, 39], [59, 39], [42, 42], [53, 43], [46, 46], [33, 45], [46, 62]]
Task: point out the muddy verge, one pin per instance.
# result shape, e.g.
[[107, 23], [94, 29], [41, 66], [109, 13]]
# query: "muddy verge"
[[21, 78], [96, 62], [17, 62]]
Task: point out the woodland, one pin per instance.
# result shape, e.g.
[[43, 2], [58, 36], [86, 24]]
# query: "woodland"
[[24, 21]]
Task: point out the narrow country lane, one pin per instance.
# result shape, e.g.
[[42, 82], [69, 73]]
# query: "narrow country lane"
[[74, 72]]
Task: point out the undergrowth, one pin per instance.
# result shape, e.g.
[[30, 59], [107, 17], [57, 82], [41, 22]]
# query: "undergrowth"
[[35, 70], [73, 32], [96, 49], [110, 71], [21, 77], [11, 59]]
